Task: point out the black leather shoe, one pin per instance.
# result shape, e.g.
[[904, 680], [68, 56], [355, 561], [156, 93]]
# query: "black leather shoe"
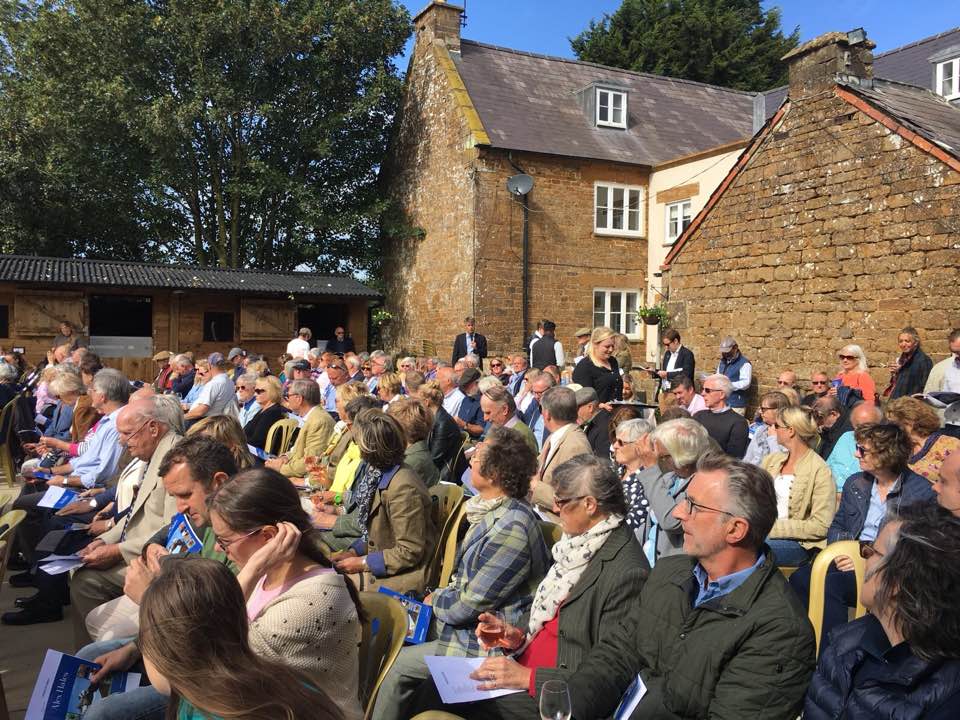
[[32, 615], [22, 580], [26, 600]]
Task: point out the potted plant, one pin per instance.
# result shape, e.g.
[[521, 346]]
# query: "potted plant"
[[653, 314], [382, 316]]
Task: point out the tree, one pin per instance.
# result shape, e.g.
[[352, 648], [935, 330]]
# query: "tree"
[[733, 43], [240, 133]]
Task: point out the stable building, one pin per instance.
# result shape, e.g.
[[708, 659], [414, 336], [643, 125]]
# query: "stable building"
[[132, 310]]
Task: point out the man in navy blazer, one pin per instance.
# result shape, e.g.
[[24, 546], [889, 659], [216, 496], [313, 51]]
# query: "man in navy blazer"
[[677, 361], [469, 342]]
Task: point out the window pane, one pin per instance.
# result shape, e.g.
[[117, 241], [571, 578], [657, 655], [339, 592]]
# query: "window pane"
[[687, 216], [603, 106], [673, 210], [601, 219], [633, 216], [631, 314], [616, 300], [601, 196], [617, 218], [599, 309]]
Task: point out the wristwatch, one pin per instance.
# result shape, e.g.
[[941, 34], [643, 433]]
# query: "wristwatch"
[[366, 567]]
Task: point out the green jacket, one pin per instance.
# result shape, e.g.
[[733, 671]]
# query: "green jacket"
[[748, 654]]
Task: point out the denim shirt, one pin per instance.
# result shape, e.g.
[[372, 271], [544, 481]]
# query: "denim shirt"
[[708, 590]]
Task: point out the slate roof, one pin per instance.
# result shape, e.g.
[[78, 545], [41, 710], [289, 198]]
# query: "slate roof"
[[530, 102], [911, 63], [917, 109], [111, 273]]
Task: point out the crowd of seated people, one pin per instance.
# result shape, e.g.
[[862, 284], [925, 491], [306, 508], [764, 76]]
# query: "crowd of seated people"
[[663, 595]]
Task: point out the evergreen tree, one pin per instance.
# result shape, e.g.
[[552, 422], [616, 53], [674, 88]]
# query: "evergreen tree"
[[733, 43]]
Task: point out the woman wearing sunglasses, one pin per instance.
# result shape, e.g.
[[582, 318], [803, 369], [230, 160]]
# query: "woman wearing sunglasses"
[[301, 611], [902, 660], [884, 485], [269, 394], [853, 374]]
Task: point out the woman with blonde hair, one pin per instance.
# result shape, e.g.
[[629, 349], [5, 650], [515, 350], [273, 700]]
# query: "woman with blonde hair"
[[599, 369], [269, 394], [764, 440], [853, 374], [929, 445], [227, 430], [389, 387], [222, 676], [806, 492]]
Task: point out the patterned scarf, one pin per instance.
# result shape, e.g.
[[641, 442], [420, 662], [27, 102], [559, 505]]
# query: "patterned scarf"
[[365, 488], [477, 507], [638, 507], [571, 556]]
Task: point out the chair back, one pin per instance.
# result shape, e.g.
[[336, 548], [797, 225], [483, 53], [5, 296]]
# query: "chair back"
[[7, 466], [285, 428], [8, 523], [458, 528], [818, 580], [384, 629], [448, 499], [552, 532]]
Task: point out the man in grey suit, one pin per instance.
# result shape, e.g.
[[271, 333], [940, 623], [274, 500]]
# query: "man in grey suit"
[[148, 427]]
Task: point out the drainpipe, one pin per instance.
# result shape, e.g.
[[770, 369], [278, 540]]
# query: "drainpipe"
[[525, 255]]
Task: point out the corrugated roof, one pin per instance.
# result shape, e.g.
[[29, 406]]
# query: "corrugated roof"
[[916, 108], [910, 63], [530, 102], [110, 273]]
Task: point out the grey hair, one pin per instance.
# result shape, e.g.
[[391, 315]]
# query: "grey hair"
[[472, 360], [308, 390], [406, 360], [8, 372], [561, 403], [113, 384], [858, 351], [315, 353], [181, 359], [387, 360], [248, 378], [586, 395], [66, 382], [163, 409], [750, 491], [723, 381], [487, 382], [500, 395], [685, 439], [589, 475], [352, 361], [633, 430]]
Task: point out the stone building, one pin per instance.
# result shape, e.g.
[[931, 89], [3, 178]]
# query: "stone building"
[[610, 153], [838, 224]]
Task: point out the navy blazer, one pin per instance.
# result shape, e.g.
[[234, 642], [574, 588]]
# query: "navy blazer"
[[460, 347], [852, 514], [686, 364]]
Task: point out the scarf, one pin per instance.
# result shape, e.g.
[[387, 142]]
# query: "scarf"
[[571, 556], [365, 488], [638, 507], [477, 507]]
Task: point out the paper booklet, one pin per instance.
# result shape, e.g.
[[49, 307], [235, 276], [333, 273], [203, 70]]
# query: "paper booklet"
[[57, 497], [63, 690], [451, 675], [418, 616], [182, 538]]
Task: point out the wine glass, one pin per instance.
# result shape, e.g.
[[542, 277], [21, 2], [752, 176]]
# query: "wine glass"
[[555, 701], [492, 630]]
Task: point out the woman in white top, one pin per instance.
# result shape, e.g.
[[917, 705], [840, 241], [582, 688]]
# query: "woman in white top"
[[806, 493]]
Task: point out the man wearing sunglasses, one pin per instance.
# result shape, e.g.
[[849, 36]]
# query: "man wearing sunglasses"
[[716, 632], [727, 427], [819, 385]]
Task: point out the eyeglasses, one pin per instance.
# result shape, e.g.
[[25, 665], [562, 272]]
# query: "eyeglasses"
[[784, 383], [366, 368], [819, 382], [869, 550], [690, 508], [862, 451], [563, 502], [493, 365], [706, 390], [128, 436], [225, 544], [617, 442], [847, 357], [258, 391], [764, 409], [243, 387]]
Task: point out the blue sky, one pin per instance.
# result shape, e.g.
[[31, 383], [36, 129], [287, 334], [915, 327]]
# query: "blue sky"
[[544, 26]]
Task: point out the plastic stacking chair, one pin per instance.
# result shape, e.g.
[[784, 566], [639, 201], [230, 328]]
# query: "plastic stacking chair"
[[551, 532], [384, 628], [449, 499], [7, 466], [818, 579], [458, 528], [8, 526], [285, 428]]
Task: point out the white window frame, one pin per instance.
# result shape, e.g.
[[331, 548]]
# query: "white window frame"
[[670, 239], [953, 92], [611, 95], [624, 311], [608, 229]]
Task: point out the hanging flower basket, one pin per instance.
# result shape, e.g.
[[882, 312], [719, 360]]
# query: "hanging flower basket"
[[382, 317], [653, 314]]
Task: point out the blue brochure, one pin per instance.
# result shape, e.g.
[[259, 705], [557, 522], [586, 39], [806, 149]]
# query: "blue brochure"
[[63, 690], [418, 616], [182, 538]]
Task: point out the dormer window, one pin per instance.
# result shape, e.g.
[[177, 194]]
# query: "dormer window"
[[948, 79], [611, 108]]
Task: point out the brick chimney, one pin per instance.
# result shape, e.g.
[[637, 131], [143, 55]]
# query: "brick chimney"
[[439, 21], [814, 66]]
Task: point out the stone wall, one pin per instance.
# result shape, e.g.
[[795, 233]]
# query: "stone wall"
[[837, 231]]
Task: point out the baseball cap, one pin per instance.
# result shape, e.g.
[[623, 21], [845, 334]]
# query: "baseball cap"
[[215, 359], [236, 352], [301, 365]]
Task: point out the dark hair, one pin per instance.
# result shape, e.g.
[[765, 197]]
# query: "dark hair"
[[671, 335], [682, 382], [751, 492], [203, 455], [954, 335], [891, 444], [508, 461], [380, 438], [261, 496], [589, 475], [549, 326], [919, 581], [674, 412], [196, 597], [90, 364], [619, 415], [361, 403]]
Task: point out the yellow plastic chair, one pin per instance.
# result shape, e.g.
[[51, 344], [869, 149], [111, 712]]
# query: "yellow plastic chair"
[[286, 428], [551, 532], [384, 628], [10, 520], [818, 579], [7, 466], [449, 499], [436, 715], [458, 528]]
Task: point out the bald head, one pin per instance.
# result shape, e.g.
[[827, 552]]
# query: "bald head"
[[864, 413], [947, 486]]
